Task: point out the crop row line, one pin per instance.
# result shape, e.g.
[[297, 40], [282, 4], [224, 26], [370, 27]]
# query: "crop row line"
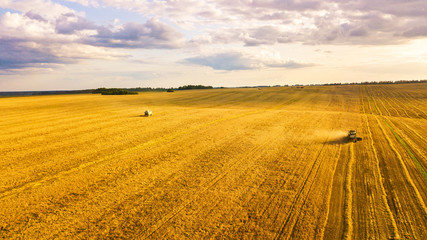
[[274, 194], [348, 204], [310, 188], [394, 230], [402, 163], [299, 194], [404, 168], [408, 149], [402, 142]]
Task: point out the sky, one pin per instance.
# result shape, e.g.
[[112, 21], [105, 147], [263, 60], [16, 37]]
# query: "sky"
[[85, 44]]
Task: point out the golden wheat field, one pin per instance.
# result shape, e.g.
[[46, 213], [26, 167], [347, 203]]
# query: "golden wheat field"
[[242, 163]]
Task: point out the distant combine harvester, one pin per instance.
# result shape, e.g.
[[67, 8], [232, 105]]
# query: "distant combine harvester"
[[148, 113]]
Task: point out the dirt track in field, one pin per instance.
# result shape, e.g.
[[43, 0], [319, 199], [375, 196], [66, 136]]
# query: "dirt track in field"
[[222, 163]]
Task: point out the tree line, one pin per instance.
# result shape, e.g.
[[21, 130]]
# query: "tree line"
[[113, 91], [126, 91]]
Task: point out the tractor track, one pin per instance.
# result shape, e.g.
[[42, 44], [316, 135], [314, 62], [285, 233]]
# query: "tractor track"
[[403, 144], [406, 175], [393, 227], [411, 148], [397, 102], [348, 196], [415, 105], [401, 141], [299, 193], [275, 194], [310, 188], [404, 168], [384, 107], [329, 194], [411, 105], [306, 197], [414, 132]]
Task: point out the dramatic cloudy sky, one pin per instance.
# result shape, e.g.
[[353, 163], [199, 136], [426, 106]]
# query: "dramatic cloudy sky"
[[78, 44]]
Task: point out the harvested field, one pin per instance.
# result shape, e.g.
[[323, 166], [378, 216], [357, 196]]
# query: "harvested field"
[[222, 163]]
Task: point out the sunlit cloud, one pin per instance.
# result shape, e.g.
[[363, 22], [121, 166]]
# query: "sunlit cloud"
[[235, 60]]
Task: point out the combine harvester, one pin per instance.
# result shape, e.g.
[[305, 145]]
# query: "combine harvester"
[[352, 136], [148, 113]]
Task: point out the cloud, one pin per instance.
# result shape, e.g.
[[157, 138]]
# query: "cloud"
[[224, 61], [417, 31], [235, 60], [408, 8], [250, 37], [290, 5], [17, 55], [70, 23], [46, 9], [35, 16], [152, 34], [266, 35], [29, 40], [20, 55], [269, 22], [32, 38]]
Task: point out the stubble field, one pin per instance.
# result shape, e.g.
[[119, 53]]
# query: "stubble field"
[[222, 163]]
